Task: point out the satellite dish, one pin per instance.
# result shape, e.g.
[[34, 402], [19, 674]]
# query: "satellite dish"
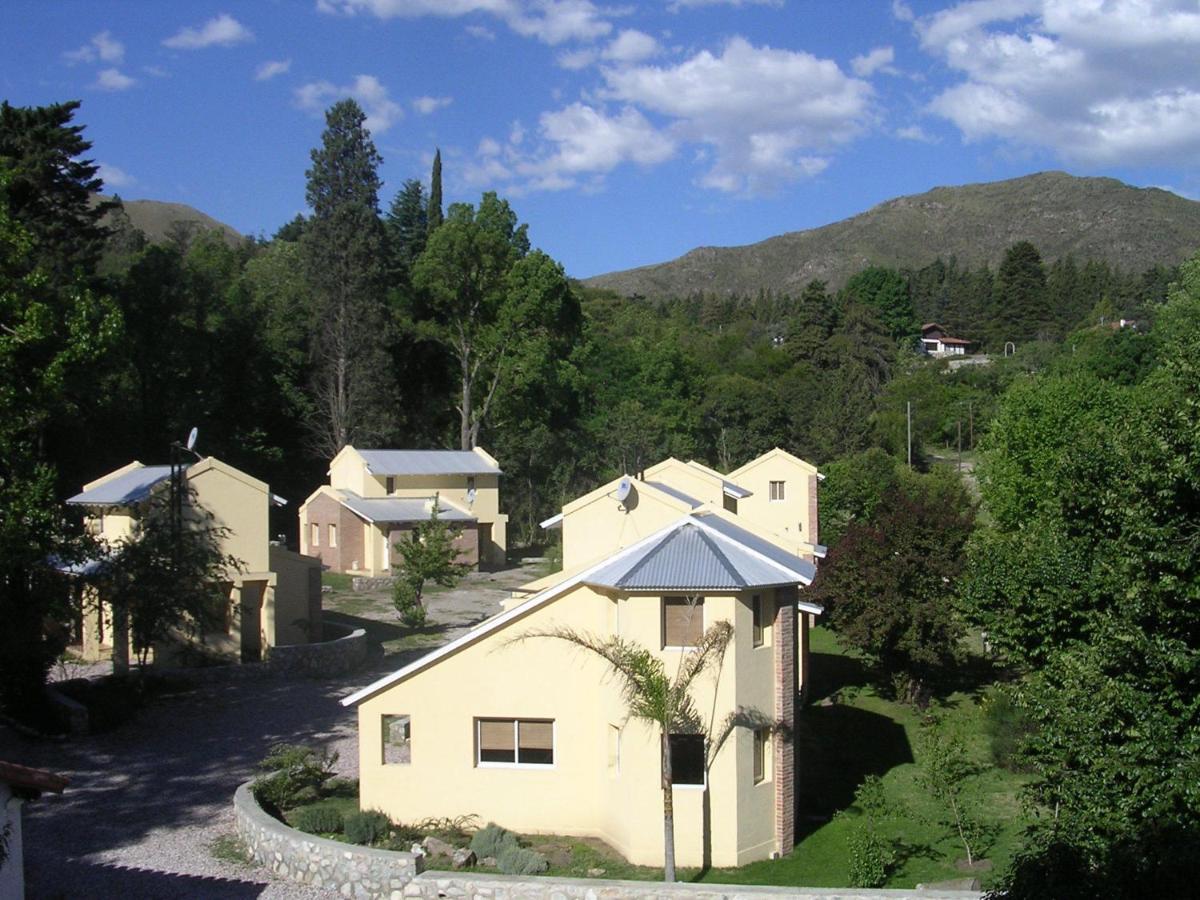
[[191, 441], [624, 486], [470, 496]]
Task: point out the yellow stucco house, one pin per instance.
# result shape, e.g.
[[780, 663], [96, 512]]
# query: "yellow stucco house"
[[375, 496], [533, 733], [274, 594]]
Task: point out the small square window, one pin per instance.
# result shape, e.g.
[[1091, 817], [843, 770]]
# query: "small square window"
[[687, 759], [778, 490], [397, 740], [683, 621]]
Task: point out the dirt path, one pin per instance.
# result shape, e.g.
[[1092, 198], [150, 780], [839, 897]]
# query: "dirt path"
[[147, 801]]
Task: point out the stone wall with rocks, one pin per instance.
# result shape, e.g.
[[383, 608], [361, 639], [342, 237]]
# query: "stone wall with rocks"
[[433, 885], [322, 659], [361, 583], [342, 869], [360, 872]]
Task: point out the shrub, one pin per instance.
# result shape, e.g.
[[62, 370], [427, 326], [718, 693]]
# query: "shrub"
[[408, 604], [492, 840], [318, 820], [514, 860], [366, 827], [870, 859], [295, 775]]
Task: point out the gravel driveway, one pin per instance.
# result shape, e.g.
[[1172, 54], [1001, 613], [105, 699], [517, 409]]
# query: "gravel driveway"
[[147, 801]]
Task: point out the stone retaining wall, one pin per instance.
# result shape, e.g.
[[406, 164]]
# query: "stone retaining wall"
[[323, 659], [344, 869], [361, 872], [361, 583]]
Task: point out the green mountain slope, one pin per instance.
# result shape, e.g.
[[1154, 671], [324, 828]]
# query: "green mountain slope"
[[1061, 214], [157, 219]]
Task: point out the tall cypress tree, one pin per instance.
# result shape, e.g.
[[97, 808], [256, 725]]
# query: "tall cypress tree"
[[343, 247], [434, 213]]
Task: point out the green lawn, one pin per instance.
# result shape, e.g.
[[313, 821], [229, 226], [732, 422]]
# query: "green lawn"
[[864, 734]]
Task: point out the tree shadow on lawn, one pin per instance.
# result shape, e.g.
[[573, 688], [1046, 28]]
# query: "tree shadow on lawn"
[[836, 748]]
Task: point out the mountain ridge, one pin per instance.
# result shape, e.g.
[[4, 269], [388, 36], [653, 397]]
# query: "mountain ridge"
[[1061, 214]]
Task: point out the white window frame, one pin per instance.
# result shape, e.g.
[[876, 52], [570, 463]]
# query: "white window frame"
[[383, 738], [480, 764], [703, 785], [314, 534], [782, 491], [662, 613], [332, 535]]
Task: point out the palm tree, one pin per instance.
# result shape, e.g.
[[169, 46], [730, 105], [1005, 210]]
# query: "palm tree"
[[664, 701]]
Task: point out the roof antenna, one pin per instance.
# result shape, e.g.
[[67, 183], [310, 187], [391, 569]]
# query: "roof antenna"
[[190, 446]]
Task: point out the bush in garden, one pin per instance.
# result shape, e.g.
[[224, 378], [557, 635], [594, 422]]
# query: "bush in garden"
[[516, 860], [492, 840], [366, 827], [294, 775], [319, 820]]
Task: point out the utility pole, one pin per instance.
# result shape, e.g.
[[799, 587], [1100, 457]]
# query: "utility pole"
[[960, 446], [908, 404], [971, 423]]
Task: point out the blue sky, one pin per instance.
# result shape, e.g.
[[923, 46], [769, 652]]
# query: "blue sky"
[[623, 133]]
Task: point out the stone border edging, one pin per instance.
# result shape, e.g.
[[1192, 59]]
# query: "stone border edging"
[[322, 863], [355, 871]]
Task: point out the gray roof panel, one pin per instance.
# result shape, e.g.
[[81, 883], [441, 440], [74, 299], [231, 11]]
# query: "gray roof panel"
[[690, 558], [131, 487], [427, 462], [396, 509], [676, 493], [752, 541]]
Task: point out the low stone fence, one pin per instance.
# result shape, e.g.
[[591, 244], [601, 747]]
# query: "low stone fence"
[[361, 583], [323, 659], [344, 869], [360, 872]]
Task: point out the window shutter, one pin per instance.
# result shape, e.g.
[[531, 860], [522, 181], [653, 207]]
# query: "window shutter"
[[497, 741], [683, 622]]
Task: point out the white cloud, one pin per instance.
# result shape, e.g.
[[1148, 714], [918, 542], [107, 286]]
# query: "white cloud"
[[1094, 81], [631, 46], [114, 177], [880, 59], [763, 111], [103, 46], [677, 5], [113, 80], [481, 32], [427, 105], [222, 31], [382, 112], [271, 68], [916, 133], [574, 60], [902, 12], [550, 21]]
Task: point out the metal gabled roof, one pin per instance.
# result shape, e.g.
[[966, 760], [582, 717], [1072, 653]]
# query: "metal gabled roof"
[[427, 462], [128, 488], [695, 556], [676, 493], [397, 509], [761, 546]]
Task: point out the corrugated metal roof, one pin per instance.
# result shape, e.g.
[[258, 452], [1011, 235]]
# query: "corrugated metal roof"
[[676, 493], [427, 462], [753, 542], [394, 509], [131, 487], [735, 490], [690, 557]]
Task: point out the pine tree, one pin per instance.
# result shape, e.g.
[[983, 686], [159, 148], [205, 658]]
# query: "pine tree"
[[434, 216], [343, 246], [1019, 306], [407, 226]]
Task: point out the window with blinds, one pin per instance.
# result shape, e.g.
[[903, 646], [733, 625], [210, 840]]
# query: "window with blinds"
[[515, 742], [762, 738], [777, 490], [682, 621], [756, 608]]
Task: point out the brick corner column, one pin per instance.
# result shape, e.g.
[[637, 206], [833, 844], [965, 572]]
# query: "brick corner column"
[[785, 712]]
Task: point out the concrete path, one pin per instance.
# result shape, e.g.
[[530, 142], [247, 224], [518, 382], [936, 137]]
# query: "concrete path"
[[147, 801]]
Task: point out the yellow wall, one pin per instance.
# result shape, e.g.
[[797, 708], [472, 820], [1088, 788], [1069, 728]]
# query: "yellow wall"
[[789, 517], [286, 616], [693, 481], [597, 525], [581, 793]]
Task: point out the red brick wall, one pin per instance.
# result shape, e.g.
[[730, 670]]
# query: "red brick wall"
[[467, 543], [813, 520], [325, 511], [784, 643]]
